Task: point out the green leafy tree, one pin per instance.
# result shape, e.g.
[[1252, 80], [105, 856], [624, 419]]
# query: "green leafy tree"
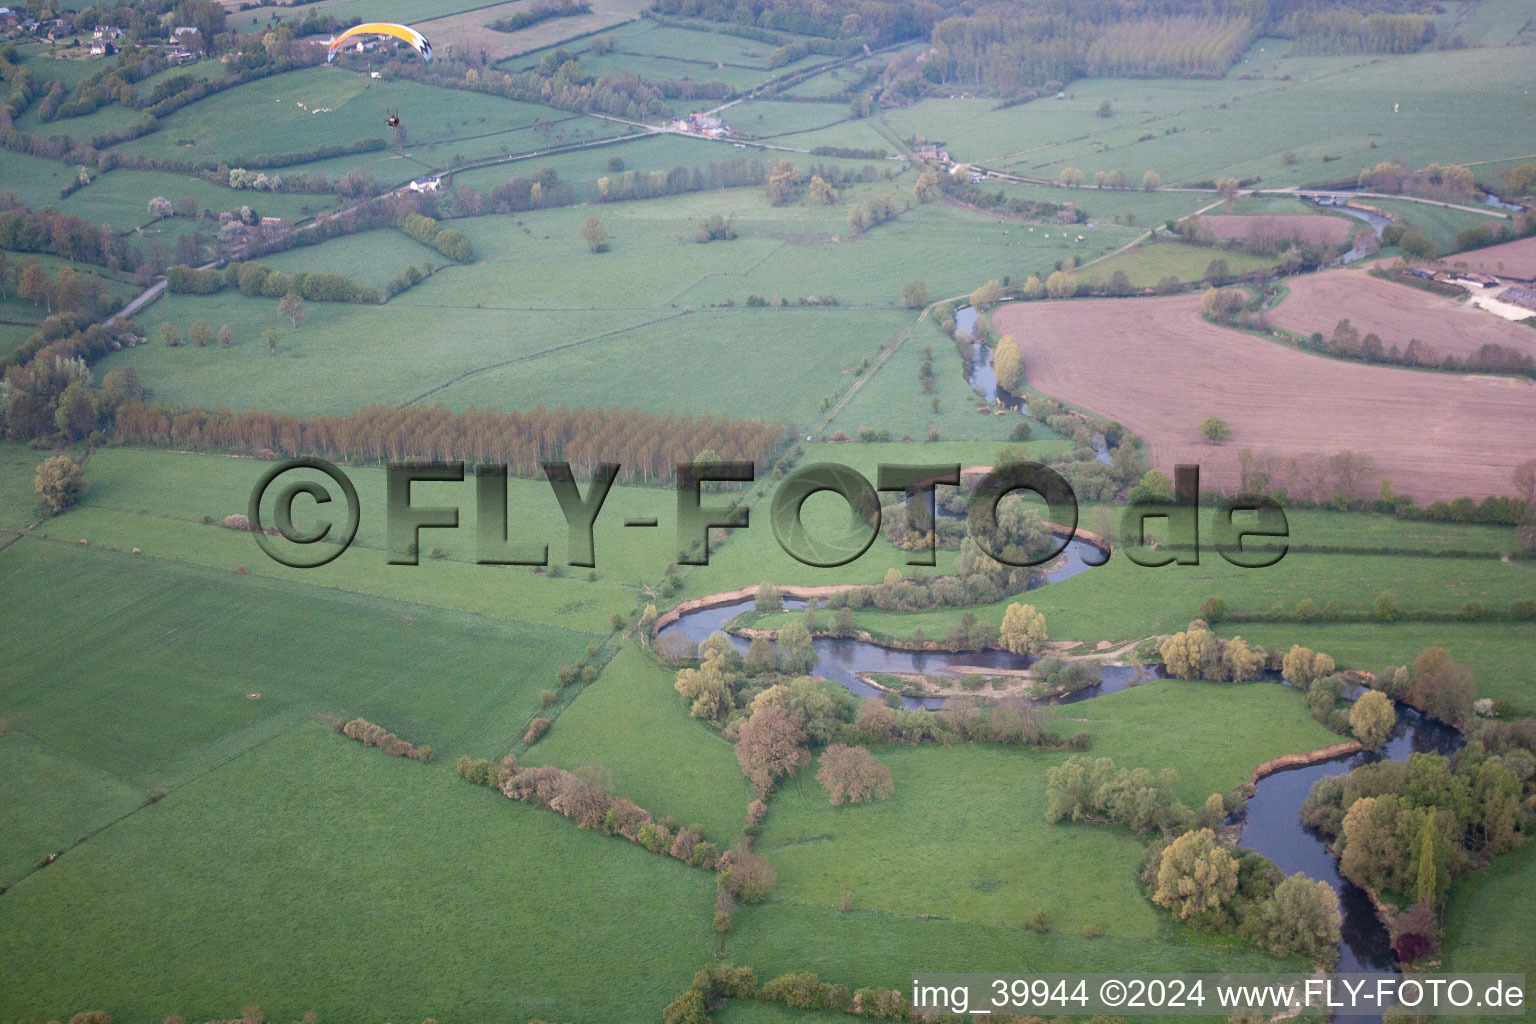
[[1426, 881], [986, 295], [594, 234], [1302, 917], [853, 775], [1214, 429], [1007, 363], [1243, 662], [1372, 718], [59, 482], [927, 187], [292, 307], [1023, 630], [914, 294], [1442, 686], [1195, 877], [1303, 666], [796, 654], [1193, 654]]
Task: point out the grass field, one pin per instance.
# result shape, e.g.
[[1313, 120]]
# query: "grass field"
[[1122, 601], [35, 181], [369, 258], [1337, 107], [990, 858], [149, 710], [156, 501], [415, 891], [633, 723], [875, 949], [121, 199], [1148, 264], [468, 35], [1440, 223], [527, 326], [1497, 651], [307, 109], [1484, 928]]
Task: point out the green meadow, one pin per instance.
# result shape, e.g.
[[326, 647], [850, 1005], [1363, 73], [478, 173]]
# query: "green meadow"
[[991, 860], [328, 106], [632, 722], [184, 834], [413, 894], [1147, 265], [1485, 919], [1339, 107], [121, 198]]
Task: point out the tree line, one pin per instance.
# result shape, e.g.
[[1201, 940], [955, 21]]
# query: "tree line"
[[257, 279], [1350, 31], [541, 11], [1199, 878], [647, 446], [1408, 829]]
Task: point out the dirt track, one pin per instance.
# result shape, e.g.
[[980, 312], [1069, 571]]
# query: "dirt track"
[[1395, 312], [1303, 227], [1157, 367], [1512, 259]]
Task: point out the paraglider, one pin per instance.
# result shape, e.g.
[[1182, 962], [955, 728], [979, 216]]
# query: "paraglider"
[[394, 118], [379, 28]]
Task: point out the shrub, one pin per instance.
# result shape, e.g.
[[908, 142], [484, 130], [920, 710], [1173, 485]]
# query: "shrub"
[[746, 876], [852, 774], [536, 729]]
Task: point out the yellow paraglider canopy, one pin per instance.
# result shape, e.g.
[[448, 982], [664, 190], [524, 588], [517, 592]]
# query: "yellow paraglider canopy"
[[383, 28]]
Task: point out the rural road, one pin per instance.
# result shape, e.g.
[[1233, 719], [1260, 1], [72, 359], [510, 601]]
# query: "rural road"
[[143, 299]]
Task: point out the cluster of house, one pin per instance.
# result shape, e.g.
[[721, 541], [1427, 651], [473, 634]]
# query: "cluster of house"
[[703, 124], [181, 45], [18, 23], [432, 183], [932, 153]]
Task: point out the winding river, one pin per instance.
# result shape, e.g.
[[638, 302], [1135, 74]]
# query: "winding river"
[[1271, 822]]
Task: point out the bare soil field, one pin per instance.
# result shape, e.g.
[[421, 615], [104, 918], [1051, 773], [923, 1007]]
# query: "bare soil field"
[[1302, 227], [1395, 312], [1154, 365], [468, 35], [1512, 259]]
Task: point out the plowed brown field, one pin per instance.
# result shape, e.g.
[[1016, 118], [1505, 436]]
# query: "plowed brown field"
[[1512, 259], [1157, 367], [1396, 312], [1303, 227]]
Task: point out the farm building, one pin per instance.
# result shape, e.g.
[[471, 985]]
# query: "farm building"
[[1520, 297], [704, 124]]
